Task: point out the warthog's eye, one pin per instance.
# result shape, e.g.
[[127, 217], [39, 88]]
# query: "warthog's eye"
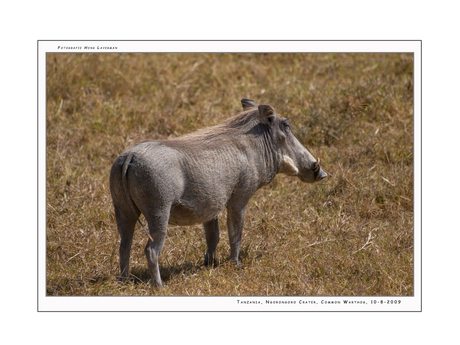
[[286, 127]]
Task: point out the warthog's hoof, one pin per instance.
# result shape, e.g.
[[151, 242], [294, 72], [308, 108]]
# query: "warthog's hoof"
[[235, 261], [123, 279], [210, 260], [155, 284]]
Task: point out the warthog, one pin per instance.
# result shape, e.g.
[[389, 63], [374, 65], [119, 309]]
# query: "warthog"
[[190, 179]]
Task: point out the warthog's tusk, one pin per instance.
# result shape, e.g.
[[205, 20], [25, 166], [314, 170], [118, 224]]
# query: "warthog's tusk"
[[316, 168]]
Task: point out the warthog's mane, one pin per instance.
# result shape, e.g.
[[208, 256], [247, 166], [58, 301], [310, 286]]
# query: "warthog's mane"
[[234, 126]]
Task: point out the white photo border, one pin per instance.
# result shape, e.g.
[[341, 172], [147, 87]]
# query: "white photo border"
[[228, 303]]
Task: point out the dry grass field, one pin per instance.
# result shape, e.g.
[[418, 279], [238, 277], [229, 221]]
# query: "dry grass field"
[[351, 234]]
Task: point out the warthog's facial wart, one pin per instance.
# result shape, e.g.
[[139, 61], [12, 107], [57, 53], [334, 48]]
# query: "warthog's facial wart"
[[191, 179]]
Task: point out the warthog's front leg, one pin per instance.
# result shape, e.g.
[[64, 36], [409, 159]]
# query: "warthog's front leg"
[[211, 230], [235, 220]]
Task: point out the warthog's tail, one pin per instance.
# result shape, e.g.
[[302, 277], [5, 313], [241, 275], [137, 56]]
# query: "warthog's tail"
[[125, 187]]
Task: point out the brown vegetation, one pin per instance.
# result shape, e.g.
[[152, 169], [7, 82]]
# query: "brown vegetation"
[[351, 234]]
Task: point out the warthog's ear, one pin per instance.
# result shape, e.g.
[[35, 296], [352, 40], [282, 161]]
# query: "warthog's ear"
[[267, 114], [248, 103]]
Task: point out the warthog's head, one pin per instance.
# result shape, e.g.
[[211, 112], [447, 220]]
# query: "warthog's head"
[[295, 159]]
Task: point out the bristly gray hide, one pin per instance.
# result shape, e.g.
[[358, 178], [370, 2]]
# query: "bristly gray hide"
[[191, 179]]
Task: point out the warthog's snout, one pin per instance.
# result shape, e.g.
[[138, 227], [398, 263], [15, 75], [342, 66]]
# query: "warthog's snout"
[[320, 174]]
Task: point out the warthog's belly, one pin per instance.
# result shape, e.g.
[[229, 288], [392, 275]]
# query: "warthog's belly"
[[183, 215]]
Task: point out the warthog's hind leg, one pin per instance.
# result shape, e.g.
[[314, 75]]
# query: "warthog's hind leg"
[[157, 228], [125, 225], [211, 230]]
